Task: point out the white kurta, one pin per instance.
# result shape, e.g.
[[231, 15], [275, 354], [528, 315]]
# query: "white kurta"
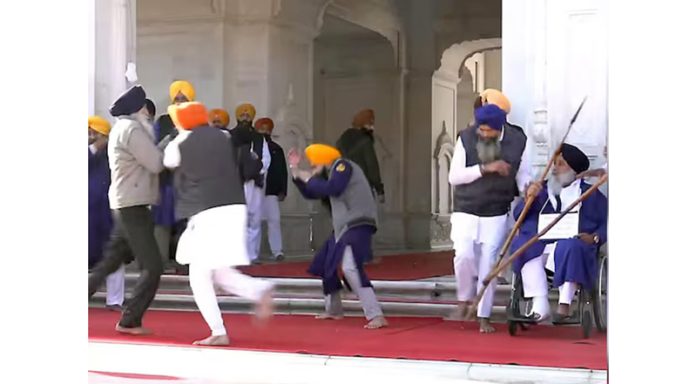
[[477, 240], [215, 238], [271, 215], [254, 200]]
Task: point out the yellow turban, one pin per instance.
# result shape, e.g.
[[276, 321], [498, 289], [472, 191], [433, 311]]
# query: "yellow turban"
[[321, 154], [184, 87], [99, 124], [494, 96], [188, 115], [245, 108], [220, 114]]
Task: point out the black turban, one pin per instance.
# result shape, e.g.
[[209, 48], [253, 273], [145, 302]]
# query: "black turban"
[[150, 107], [129, 102], [575, 158]]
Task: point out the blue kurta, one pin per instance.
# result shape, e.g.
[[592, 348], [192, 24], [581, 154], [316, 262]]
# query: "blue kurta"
[[99, 220], [575, 260], [327, 260], [163, 213]]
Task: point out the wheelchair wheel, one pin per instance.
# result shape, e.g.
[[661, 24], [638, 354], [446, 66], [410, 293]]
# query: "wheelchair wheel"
[[599, 301], [586, 323], [512, 328]]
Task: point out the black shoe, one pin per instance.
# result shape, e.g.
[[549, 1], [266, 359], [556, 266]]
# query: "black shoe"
[[279, 257], [256, 262], [114, 308]]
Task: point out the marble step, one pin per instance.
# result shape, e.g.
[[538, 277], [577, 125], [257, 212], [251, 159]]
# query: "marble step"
[[301, 306], [304, 296]]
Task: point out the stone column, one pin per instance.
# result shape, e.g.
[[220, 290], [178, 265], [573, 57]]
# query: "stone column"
[[114, 48], [421, 62], [91, 47]]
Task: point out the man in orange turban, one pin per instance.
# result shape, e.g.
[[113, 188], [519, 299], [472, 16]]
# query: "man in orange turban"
[[276, 188], [100, 221], [210, 198], [167, 229], [246, 139], [354, 221], [219, 118], [358, 145]]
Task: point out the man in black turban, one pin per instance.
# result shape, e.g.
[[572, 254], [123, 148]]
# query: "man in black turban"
[[571, 255], [135, 162]]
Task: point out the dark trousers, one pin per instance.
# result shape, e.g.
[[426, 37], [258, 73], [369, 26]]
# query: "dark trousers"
[[132, 237]]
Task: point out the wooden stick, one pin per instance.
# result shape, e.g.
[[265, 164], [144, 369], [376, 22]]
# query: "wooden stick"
[[530, 199], [519, 252]]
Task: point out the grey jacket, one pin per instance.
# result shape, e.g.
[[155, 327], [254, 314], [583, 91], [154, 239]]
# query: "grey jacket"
[[135, 163]]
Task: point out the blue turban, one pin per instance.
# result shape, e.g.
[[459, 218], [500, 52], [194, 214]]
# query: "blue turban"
[[129, 102], [491, 115], [575, 158]]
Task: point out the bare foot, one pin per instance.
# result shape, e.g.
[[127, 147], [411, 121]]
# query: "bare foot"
[[458, 313], [326, 316], [214, 341], [377, 322], [485, 326], [136, 331], [264, 308]]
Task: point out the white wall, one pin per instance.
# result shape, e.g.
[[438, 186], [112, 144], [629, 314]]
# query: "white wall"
[[191, 52], [554, 53]]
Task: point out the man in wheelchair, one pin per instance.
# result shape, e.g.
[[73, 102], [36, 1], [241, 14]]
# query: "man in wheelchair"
[[570, 249]]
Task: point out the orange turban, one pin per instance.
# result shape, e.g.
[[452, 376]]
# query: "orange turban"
[[184, 87], [494, 96], [99, 124], [265, 121], [363, 118], [188, 115], [245, 108], [321, 154], [220, 114]]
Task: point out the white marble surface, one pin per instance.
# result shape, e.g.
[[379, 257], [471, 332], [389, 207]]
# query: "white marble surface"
[[207, 365]]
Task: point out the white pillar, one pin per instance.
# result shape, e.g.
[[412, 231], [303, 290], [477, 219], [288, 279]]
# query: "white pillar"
[[114, 48], [91, 21]]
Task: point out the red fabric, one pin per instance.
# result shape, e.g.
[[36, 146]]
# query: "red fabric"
[[398, 267], [407, 338], [137, 376]]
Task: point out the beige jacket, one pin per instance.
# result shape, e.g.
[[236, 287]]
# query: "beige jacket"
[[135, 163]]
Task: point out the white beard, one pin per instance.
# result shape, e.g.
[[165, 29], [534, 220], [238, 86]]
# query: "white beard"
[[556, 183], [142, 118]]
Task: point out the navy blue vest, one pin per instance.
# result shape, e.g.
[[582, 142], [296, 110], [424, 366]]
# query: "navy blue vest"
[[492, 194]]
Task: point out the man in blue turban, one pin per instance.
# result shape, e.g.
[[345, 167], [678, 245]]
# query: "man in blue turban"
[[489, 169]]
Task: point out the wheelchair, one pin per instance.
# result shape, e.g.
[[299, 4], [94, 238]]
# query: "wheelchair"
[[589, 305]]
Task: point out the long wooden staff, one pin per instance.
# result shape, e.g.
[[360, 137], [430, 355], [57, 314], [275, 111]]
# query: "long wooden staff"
[[530, 199], [487, 281]]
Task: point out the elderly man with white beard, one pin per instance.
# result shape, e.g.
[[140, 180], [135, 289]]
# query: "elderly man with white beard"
[[571, 250], [135, 162], [489, 169]]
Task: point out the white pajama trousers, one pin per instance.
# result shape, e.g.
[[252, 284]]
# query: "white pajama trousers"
[[535, 284], [366, 295], [203, 280], [116, 286], [254, 204], [214, 241], [477, 242], [271, 215]]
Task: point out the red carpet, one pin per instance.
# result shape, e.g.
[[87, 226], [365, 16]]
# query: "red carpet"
[[396, 267], [406, 338]]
